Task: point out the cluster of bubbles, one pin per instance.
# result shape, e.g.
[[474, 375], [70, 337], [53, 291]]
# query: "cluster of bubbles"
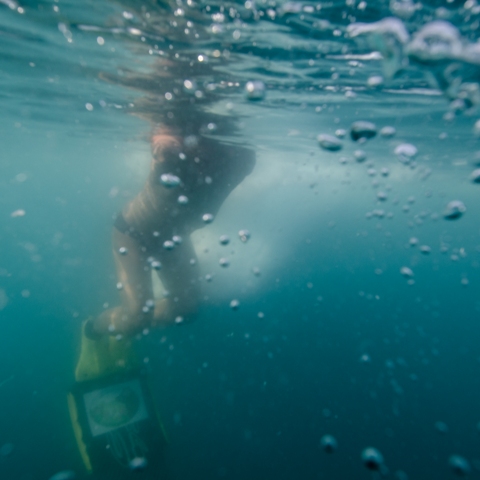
[[373, 459], [362, 131]]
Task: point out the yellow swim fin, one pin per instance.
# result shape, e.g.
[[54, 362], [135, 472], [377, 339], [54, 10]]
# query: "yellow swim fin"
[[106, 356]]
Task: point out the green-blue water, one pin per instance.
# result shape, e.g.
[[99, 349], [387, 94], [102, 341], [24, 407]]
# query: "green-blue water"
[[330, 338]]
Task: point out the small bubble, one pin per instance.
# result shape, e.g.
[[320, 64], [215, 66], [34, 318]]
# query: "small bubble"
[[178, 320], [475, 176], [156, 265], [89, 107], [260, 315], [189, 86], [256, 271], [464, 282], [454, 210], [459, 465], [340, 133], [360, 155], [365, 358], [119, 286], [244, 235], [255, 90], [169, 180], [224, 262], [177, 239], [413, 241], [388, 132], [361, 131], [137, 464], [329, 142], [407, 272], [406, 152], [385, 172], [224, 240], [208, 277], [168, 245], [234, 304], [182, 200], [18, 213], [207, 218], [382, 196], [372, 458], [375, 81], [328, 443], [100, 40], [425, 249], [123, 251]]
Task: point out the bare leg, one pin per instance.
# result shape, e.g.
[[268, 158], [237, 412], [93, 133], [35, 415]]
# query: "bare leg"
[[137, 309], [133, 273]]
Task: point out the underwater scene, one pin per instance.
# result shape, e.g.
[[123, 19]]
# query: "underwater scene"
[[239, 239]]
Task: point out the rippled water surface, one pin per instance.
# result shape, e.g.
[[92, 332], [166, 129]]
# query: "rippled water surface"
[[355, 306]]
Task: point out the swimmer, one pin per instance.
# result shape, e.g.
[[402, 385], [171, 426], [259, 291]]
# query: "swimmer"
[[207, 172]]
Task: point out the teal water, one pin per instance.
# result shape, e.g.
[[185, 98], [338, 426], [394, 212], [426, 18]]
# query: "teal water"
[[330, 338]]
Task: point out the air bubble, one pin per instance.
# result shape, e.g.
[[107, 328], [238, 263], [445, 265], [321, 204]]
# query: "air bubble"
[[328, 443], [425, 249], [224, 240], [360, 155], [375, 81], [361, 131], [168, 245], [454, 210], [340, 133], [406, 152], [255, 90], [388, 132], [224, 262], [475, 176], [382, 196], [156, 265], [123, 251], [207, 218], [169, 180], [372, 458], [137, 464], [407, 272], [177, 239], [182, 200], [234, 304], [244, 235], [459, 465], [329, 142]]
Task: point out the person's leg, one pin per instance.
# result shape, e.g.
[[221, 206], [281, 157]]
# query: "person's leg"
[[180, 280], [134, 277]]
